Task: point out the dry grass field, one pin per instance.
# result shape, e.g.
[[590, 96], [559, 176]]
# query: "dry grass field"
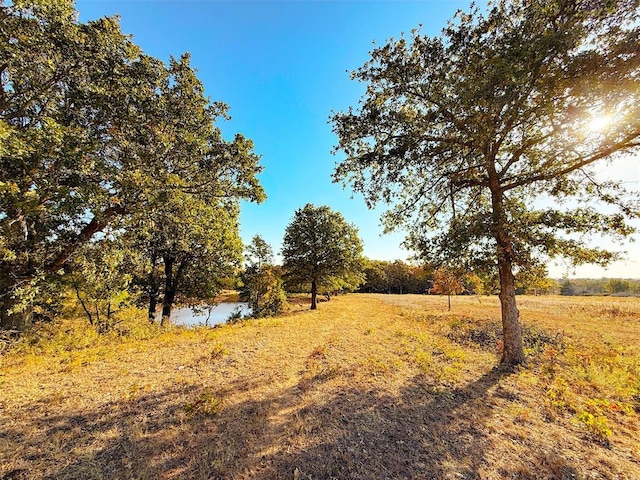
[[366, 387]]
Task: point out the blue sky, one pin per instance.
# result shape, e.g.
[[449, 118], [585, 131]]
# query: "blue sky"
[[282, 67]]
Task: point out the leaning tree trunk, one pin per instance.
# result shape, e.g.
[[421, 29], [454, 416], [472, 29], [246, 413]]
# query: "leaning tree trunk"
[[314, 294]]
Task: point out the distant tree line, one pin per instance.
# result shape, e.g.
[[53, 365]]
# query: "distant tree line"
[[311, 240], [602, 286], [395, 277]]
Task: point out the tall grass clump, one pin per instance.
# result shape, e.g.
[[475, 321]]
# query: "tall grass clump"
[[72, 333], [594, 382]]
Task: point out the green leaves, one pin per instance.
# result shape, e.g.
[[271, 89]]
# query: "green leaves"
[[262, 281], [100, 281], [464, 132], [320, 247], [498, 105], [93, 131]]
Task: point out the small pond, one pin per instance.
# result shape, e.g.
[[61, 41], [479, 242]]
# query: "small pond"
[[208, 316]]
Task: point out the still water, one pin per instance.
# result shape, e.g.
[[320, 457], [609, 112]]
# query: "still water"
[[208, 316]]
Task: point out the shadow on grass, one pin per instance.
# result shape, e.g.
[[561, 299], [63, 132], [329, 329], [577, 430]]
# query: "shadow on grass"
[[351, 433]]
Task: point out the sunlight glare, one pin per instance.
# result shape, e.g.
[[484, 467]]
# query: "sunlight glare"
[[599, 123]]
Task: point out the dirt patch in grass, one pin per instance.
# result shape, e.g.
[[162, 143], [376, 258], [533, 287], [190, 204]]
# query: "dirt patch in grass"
[[366, 387]]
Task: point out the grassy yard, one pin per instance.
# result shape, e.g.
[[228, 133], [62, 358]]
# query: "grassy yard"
[[366, 387]]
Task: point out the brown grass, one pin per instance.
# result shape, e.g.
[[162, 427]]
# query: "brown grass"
[[366, 387]]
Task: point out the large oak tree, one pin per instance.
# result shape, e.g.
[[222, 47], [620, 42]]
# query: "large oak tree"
[[63, 86], [92, 130], [191, 180], [487, 138]]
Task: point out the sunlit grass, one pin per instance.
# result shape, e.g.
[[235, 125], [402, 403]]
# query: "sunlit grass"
[[367, 386]]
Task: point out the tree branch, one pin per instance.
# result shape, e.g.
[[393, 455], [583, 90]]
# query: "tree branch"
[[579, 163], [97, 224]]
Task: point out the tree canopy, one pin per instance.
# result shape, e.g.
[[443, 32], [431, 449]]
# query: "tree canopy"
[[447, 281], [92, 129], [483, 138], [262, 280], [320, 247], [259, 252]]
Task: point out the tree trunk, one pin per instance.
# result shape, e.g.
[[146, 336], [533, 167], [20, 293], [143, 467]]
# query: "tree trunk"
[[97, 224], [169, 291], [171, 286], [513, 353], [23, 320], [109, 312], [449, 302], [167, 304], [153, 292], [314, 293], [153, 304]]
